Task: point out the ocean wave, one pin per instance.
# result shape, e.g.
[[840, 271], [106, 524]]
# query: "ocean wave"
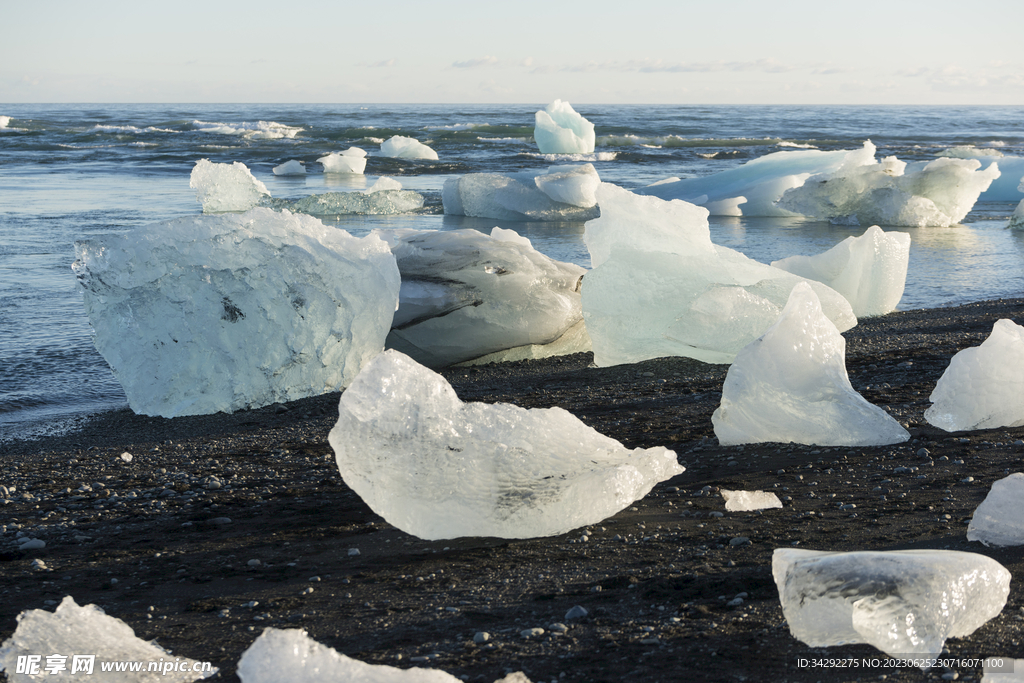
[[656, 141], [595, 156], [522, 140], [798, 145], [129, 129], [5, 121], [261, 130], [458, 126]]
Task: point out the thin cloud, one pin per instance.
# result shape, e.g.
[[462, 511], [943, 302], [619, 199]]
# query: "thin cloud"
[[477, 63], [385, 63]]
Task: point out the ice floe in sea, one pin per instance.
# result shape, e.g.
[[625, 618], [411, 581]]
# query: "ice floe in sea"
[[999, 520], [559, 193], [558, 129], [402, 147], [870, 270], [660, 287], [352, 160], [983, 385], [1017, 219], [385, 196], [78, 631], [436, 467], [904, 602], [466, 295], [747, 501], [226, 187], [217, 313], [1008, 186], [790, 385], [292, 167]]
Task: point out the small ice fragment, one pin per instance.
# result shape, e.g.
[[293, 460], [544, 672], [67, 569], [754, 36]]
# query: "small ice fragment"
[[1017, 218], [999, 520], [401, 147], [352, 160], [226, 187], [126, 456], [982, 386], [383, 183], [744, 501], [292, 167], [904, 602], [436, 467], [559, 129]]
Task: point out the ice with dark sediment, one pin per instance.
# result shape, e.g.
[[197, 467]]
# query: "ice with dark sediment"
[[747, 501], [559, 129], [791, 385], [869, 270], [906, 603], [982, 386], [557, 194], [660, 287], [78, 632], [436, 467], [226, 187], [466, 295], [218, 313], [999, 520], [352, 160], [402, 147], [290, 168]]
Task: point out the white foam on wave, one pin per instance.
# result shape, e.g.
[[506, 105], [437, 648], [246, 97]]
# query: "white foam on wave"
[[631, 140], [5, 121], [458, 126], [130, 129], [261, 130], [798, 145], [522, 140], [594, 156]]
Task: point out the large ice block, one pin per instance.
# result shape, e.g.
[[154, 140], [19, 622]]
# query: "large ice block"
[[466, 295], [904, 602], [790, 385], [999, 520], [226, 187], [559, 129], [870, 270], [352, 160], [218, 313], [402, 147], [436, 467], [659, 287], [73, 631], [557, 194], [983, 385]]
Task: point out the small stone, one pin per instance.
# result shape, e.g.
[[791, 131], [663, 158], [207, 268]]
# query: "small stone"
[[314, 579], [353, 551], [254, 563], [220, 521], [967, 480], [559, 628], [575, 612], [532, 632], [923, 453], [739, 540], [481, 637], [31, 544], [307, 591], [735, 602], [39, 565]]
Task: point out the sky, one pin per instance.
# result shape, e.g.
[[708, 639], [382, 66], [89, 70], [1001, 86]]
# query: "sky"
[[525, 51]]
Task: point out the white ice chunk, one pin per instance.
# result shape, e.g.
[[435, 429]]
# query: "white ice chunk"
[[999, 520], [1017, 219], [659, 286], [746, 501], [466, 295], [560, 130], [791, 386], [226, 187], [290, 655], [575, 185], [85, 630], [870, 270], [217, 313], [383, 184], [402, 147], [5, 121], [1005, 188], [379, 199], [904, 602], [562, 193], [292, 167], [436, 467], [352, 160], [983, 385]]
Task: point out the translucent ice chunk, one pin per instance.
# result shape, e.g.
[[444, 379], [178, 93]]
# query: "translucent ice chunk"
[[561, 193], [226, 187], [983, 385], [217, 313], [659, 286], [870, 270], [352, 160], [292, 167], [574, 185], [904, 602], [791, 386], [369, 202], [383, 184], [402, 147], [744, 501], [289, 655], [560, 130], [465, 295], [79, 630], [1017, 218], [436, 467], [999, 520]]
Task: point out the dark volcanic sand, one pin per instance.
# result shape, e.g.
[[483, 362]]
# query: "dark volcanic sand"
[[655, 578]]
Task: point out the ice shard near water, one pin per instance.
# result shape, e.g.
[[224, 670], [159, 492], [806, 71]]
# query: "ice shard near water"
[[904, 602], [560, 193], [288, 168], [85, 630], [746, 501], [402, 147], [999, 520], [226, 187], [791, 385], [466, 295], [659, 287], [983, 386], [218, 313], [559, 129], [352, 160], [870, 270], [436, 467]]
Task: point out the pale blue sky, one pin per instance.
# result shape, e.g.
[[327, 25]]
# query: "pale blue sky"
[[525, 51]]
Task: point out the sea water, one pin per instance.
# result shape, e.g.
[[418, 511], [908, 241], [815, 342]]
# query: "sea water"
[[69, 172]]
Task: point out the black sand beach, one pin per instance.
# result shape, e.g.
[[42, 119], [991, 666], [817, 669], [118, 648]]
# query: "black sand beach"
[[165, 541]]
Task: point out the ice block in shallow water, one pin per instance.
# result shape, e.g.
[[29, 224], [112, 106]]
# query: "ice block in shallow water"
[[983, 385], [904, 602], [746, 501], [226, 187], [292, 167], [402, 147], [999, 520], [352, 160], [558, 129], [559, 194], [436, 467]]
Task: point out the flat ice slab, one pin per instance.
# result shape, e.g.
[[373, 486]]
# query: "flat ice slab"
[[218, 313], [436, 467], [352, 160], [558, 194], [226, 187], [870, 270], [983, 385], [904, 602], [558, 129], [85, 630], [402, 147], [791, 385], [466, 295], [999, 520], [746, 501]]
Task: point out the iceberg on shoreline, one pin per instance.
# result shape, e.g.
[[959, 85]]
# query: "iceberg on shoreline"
[[438, 468], [352, 160], [219, 313], [999, 520], [558, 129], [402, 147], [559, 193], [226, 187]]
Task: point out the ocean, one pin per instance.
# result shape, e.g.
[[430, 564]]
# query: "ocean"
[[69, 172]]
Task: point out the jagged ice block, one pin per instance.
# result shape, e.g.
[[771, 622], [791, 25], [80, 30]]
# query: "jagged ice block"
[[352, 160], [292, 167], [746, 501], [999, 520], [402, 147], [560, 193], [226, 187], [558, 129]]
